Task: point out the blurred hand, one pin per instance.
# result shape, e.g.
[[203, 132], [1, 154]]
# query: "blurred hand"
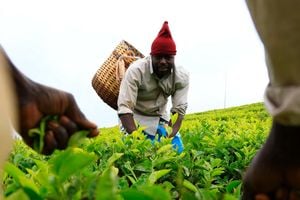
[[42, 101], [36, 101], [274, 173]]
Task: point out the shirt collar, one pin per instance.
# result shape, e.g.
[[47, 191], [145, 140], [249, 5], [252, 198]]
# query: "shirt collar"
[[151, 69], [150, 64]]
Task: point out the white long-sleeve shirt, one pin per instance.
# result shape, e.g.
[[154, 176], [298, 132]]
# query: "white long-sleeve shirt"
[[144, 95]]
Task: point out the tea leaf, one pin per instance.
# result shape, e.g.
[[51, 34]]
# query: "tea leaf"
[[146, 193], [76, 139], [107, 186], [154, 176], [69, 162], [174, 118], [27, 184], [113, 158], [190, 186]]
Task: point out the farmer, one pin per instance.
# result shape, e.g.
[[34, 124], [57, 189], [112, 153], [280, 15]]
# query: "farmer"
[[275, 171], [33, 102], [146, 87]]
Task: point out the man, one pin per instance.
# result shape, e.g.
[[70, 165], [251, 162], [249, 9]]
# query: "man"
[[33, 102], [275, 171], [146, 87]]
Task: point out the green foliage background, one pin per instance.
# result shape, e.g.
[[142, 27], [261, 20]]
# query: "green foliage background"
[[219, 145]]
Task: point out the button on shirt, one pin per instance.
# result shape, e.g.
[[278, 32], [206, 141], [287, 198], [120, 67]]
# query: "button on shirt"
[[144, 95]]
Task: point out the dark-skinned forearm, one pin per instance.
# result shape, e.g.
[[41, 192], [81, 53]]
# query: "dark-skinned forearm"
[[23, 85], [28, 90], [128, 122], [20, 81], [176, 126]]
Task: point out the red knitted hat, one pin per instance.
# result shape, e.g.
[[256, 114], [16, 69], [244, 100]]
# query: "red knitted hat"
[[163, 43]]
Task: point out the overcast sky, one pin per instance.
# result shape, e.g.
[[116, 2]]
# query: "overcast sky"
[[62, 43]]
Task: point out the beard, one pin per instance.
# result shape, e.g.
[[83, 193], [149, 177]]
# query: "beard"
[[163, 70]]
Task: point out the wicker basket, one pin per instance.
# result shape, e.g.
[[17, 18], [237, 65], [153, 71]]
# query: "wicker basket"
[[106, 81]]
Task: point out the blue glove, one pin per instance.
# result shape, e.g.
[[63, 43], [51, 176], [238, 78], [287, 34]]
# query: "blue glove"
[[177, 143], [161, 131]]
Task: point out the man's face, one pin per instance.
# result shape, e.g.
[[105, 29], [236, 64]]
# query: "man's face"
[[162, 64]]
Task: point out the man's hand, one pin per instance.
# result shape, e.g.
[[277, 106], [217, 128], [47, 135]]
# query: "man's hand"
[[45, 101], [36, 101], [274, 173]]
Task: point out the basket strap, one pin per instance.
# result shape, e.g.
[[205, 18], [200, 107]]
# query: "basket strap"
[[120, 65], [120, 69]]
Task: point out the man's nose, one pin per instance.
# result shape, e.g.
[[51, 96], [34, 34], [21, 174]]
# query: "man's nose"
[[163, 60]]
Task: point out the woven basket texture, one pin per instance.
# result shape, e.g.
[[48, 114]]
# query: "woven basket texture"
[[105, 82]]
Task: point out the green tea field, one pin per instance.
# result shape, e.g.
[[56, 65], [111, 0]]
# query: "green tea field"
[[219, 145]]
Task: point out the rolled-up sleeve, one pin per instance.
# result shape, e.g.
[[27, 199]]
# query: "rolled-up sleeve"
[[180, 97], [128, 91]]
